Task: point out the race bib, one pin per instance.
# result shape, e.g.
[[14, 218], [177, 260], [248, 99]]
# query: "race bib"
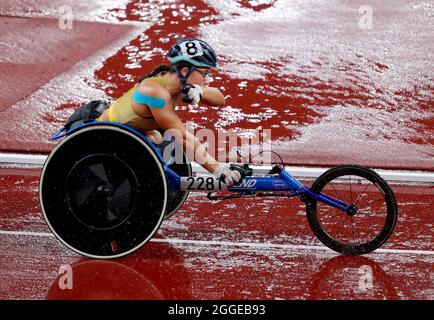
[[191, 48]]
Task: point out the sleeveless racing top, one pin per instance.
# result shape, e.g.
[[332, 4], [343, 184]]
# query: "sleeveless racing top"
[[121, 111]]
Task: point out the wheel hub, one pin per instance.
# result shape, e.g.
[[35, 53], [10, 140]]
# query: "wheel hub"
[[105, 190], [352, 210]]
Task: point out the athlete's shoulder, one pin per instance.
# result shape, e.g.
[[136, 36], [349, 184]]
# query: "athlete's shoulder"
[[152, 95], [152, 88]]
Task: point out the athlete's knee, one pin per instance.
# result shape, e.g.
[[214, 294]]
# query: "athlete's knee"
[[154, 136]]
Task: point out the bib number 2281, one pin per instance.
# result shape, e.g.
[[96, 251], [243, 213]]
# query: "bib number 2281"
[[202, 183]]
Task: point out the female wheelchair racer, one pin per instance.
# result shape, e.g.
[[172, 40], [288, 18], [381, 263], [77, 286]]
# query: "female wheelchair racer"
[[106, 188]]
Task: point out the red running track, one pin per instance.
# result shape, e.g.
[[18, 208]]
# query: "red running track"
[[331, 92], [216, 251]]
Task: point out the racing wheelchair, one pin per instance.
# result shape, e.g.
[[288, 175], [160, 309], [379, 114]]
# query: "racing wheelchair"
[[105, 189]]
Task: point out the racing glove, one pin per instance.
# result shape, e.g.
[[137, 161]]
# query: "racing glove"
[[228, 176], [191, 93]]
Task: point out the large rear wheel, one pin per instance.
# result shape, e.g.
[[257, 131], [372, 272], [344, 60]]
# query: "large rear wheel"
[[103, 192]]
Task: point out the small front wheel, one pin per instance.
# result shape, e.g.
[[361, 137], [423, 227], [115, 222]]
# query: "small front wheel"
[[372, 217]]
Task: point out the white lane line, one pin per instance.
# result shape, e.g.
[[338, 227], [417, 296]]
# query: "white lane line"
[[255, 245], [282, 246], [26, 233], [24, 159], [236, 244], [297, 171]]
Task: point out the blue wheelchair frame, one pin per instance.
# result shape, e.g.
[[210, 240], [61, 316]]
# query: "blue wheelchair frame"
[[284, 182]]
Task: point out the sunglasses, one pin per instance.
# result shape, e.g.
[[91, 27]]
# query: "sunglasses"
[[205, 74]]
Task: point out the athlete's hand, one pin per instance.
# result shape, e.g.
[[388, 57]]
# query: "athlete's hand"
[[229, 176], [191, 93]]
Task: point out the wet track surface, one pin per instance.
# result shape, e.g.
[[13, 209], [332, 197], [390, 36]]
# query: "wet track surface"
[[331, 93], [217, 251]]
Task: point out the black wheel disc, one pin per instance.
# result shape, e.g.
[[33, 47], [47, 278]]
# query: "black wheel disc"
[[103, 191]]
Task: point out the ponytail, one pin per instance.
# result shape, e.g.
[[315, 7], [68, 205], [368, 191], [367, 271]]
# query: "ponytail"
[[163, 68], [160, 69]]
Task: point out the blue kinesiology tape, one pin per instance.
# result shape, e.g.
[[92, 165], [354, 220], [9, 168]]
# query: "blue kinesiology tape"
[[149, 101]]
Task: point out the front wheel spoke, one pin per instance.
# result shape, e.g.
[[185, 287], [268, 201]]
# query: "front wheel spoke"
[[333, 213], [338, 214], [362, 193], [374, 201], [364, 211], [371, 211], [337, 193]]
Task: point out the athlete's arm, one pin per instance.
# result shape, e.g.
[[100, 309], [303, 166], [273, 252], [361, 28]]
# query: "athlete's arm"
[[212, 96], [166, 119]]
